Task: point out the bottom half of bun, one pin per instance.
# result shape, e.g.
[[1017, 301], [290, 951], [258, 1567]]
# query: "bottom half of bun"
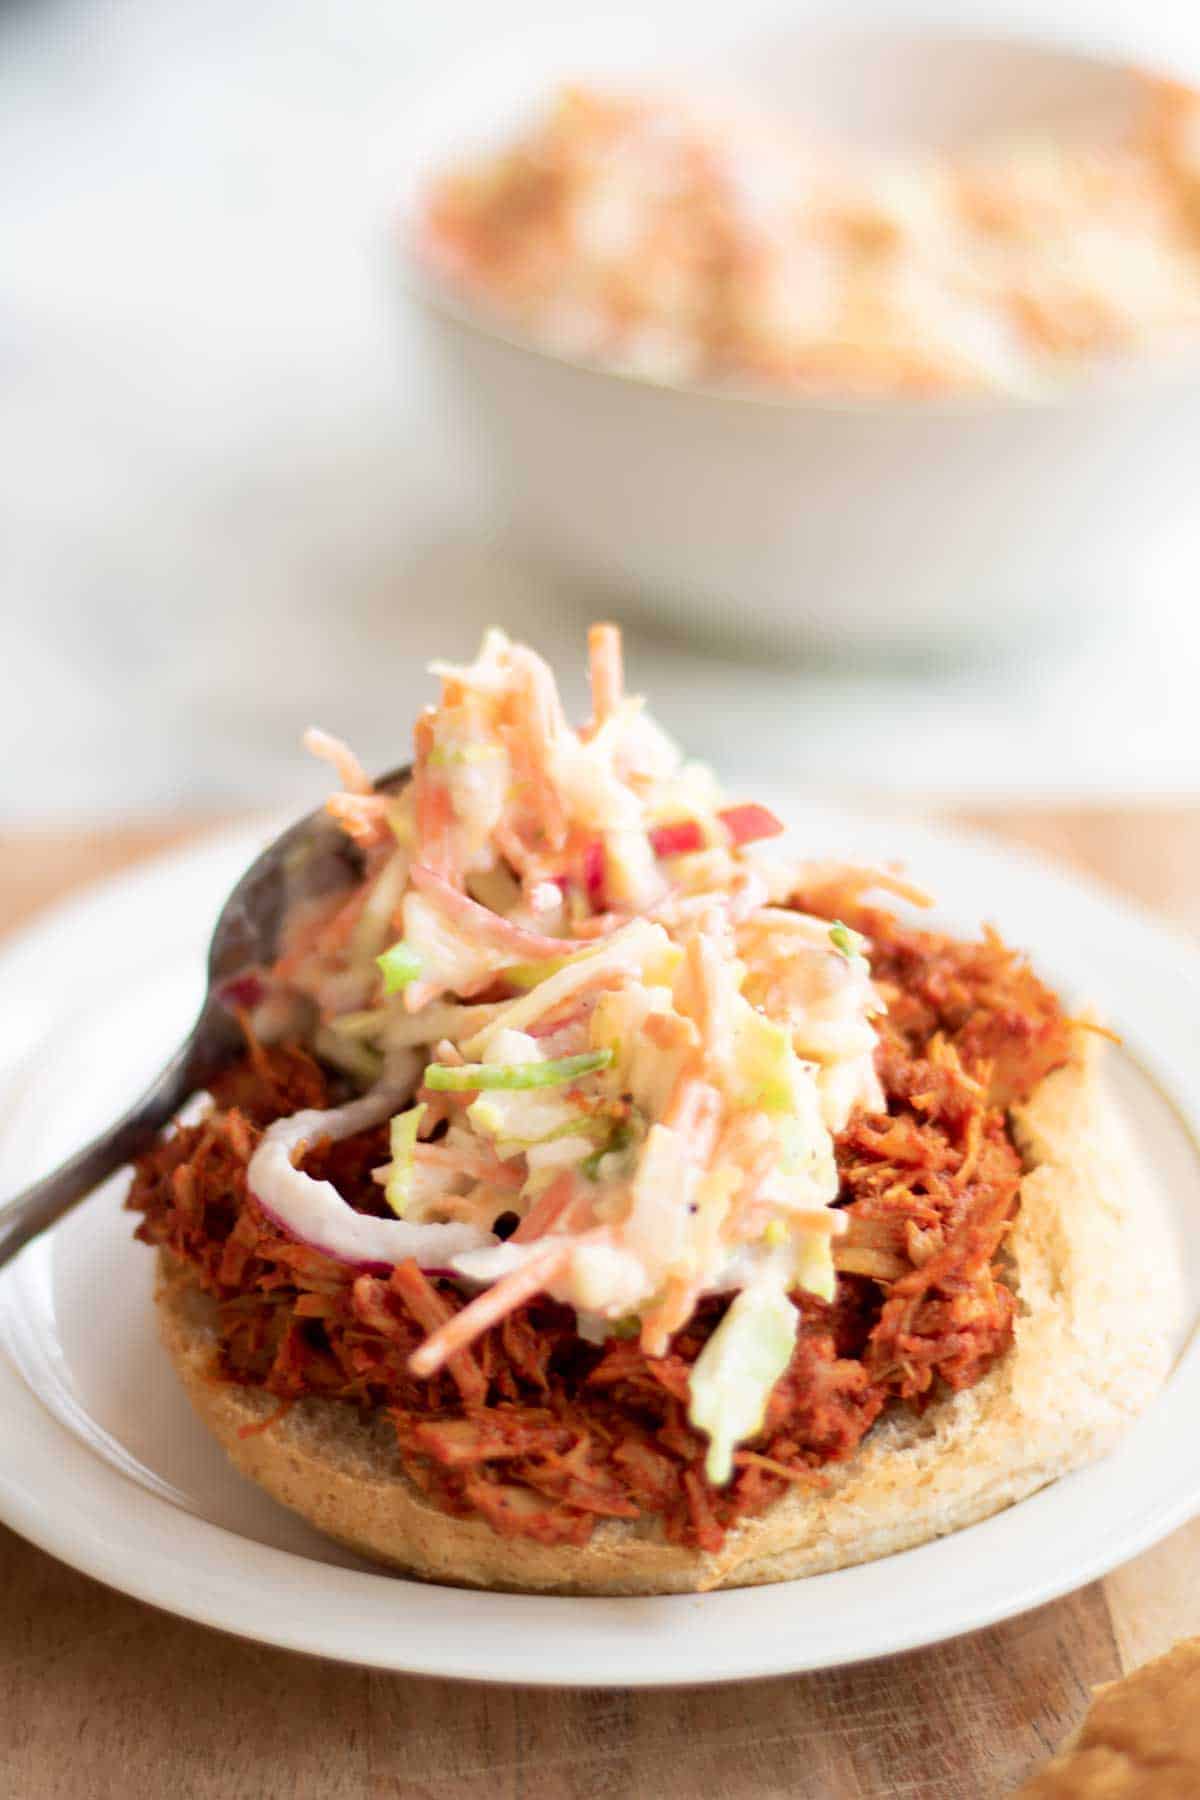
[[1095, 1306]]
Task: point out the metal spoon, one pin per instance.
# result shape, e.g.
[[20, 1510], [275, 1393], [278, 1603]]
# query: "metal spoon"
[[309, 858]]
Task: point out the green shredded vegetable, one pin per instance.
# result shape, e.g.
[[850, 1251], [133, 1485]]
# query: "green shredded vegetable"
[[374, 925], [402, 1134], [619, 1139], [472, 1077], [399, 818], [454, 755], [524, 976], [580, 1126], [367, 1023], [400, 965], [765, 1063], [732, 1378], [353, 1058], [848, 943]]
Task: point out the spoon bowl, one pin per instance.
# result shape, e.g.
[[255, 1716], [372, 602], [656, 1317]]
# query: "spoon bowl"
[[311, 858]]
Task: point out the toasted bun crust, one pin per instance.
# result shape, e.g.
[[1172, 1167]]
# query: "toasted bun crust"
[[1091, 1347]]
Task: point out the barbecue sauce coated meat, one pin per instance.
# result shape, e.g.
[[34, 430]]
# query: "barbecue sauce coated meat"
[[543, 1434]]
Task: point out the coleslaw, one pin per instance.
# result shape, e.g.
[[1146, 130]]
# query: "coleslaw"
[[613, 1062], [683, 236]]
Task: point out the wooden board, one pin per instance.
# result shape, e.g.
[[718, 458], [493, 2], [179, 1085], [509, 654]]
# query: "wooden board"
[[104, 1697]]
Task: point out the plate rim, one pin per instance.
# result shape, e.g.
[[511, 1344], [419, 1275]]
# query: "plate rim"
[[242, 1616], [123, 1564]]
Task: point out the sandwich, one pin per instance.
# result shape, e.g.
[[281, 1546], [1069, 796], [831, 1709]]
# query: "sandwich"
[[1140, 1739], [609, 1201]]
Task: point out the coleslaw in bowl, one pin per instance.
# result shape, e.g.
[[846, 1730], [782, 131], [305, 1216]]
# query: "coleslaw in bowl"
[[846, 521]]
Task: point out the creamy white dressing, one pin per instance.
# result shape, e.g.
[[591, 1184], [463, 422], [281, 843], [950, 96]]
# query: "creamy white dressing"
[[657, 1104], [315, 1212]]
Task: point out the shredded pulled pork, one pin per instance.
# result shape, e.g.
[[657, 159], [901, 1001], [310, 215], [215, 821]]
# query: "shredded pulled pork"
[[542, 1433]]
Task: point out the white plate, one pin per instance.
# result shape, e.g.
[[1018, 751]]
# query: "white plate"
[[102, 1462]]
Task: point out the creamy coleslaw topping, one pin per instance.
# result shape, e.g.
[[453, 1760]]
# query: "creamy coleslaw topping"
[[613, 1063]]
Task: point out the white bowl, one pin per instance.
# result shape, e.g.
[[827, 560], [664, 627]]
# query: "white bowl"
[[878, 525]]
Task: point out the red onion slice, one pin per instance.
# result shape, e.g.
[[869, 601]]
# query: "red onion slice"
[[315, 1213], [248, 990]]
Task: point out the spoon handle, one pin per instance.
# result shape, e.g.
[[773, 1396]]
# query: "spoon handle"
[[41, 1205]]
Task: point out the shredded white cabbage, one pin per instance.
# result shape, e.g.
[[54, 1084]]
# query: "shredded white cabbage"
[[734, 1374], [662, 1049]]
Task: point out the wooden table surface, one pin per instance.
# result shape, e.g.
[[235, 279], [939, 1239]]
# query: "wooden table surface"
[[104, 1696]]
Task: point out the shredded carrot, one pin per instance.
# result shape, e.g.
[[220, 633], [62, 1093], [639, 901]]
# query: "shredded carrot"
[[434, 815], [351, 773], [434, 1313], [694, 1111], [488, 1308], [533, 741], [704, 968], [607, 675], [512, 847], [599, 925], [670, 1031], [1093, 1025], [800, 1476], [363, 817], [673, 1310], [551, 1210], [478, 1166], [487, 928]]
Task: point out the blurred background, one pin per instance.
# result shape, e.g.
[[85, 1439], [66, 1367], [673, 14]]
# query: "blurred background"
[[234, 499]]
